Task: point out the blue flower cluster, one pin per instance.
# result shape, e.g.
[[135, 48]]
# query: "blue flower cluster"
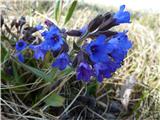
[[99, 58], [107, 54]]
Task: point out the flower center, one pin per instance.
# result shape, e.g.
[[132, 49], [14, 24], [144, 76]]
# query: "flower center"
[[55, 37], [83, 71], [94, 49], [20, 44]]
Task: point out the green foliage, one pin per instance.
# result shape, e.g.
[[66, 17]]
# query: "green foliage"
[[92, 88], [58, 10], [144, 95], [70, 11], [5, 76], [37, 72], [4, 53], [55, 100], [15, 73]]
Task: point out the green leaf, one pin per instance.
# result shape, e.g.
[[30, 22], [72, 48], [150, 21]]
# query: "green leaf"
[[92, 88], [36, 71], [145, 94], [65, 72], [58, 10], [55, 100], [70, 11]]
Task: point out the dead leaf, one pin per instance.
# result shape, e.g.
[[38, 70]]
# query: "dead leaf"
[[126, 91]]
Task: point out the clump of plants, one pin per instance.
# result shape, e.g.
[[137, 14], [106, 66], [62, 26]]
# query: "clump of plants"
[[98, 52], [61, 77]]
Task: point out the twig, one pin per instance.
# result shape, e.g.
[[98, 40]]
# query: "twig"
[[78, 118], [96, 113], [72, 102]]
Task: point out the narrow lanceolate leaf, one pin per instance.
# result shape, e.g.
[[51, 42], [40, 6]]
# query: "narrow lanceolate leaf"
[[55, 100], [70, 11], [36, 72], [58, 10]]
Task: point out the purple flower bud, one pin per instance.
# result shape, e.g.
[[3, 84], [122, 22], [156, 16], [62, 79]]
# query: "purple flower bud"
[[84, 72]]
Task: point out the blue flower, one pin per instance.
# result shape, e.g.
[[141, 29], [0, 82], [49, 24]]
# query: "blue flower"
[[53, 39], [98, 49], [20, 57], [122, 16], [121, 46], [20, 45], [101, 71], [105, 70], [84, 71], [39, 27], [38, 52], [61, 61], [107, 55]]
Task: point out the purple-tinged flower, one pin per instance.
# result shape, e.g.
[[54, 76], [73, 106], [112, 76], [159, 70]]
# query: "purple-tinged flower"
[[80, 57], [53, 39], [50, 23], [61, 61], [84, 72], [38, 52], [122, 16], [98, 49], [20, 45]]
